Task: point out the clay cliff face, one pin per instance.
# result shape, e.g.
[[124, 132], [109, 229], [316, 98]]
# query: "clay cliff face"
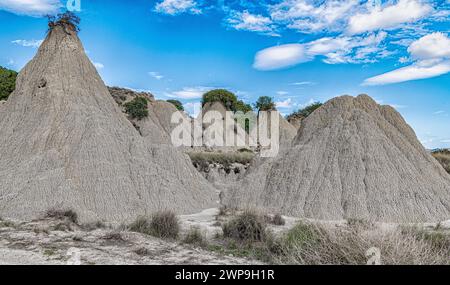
[[352, 158], [64, 143]]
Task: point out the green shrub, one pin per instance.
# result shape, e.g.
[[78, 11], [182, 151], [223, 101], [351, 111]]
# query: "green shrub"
[[162, 224], [247, 227], [137, 108], [7, 82], [177, 104]]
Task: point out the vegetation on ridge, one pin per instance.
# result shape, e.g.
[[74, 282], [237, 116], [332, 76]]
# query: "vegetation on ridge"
[[443, 156], [7, 82], [305, 112], [137, 108], [177, 104], [265, 103], [228, 99]]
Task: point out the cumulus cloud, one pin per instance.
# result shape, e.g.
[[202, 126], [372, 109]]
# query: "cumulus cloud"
[[286, 104], [246, 21], [404, 11], [432, 58], [31, 7], [335, 50], [189, 92], [307, 17], [435, 45], [28, 43], [174, 7]]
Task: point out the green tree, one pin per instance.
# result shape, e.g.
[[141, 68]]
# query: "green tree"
[[265, 103], [7, 82], [305, 112], [227, 98], [177, 104], [137, 108]]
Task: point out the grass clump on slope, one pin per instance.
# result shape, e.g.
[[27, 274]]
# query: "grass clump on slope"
[[162, 224]]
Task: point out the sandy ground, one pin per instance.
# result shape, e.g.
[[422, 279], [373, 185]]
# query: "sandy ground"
[[52, 241], [48, 241]]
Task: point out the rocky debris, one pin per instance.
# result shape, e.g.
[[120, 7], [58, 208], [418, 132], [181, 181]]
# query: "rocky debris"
[[296, 121], [50, 241], [352, 158], [67, 145]]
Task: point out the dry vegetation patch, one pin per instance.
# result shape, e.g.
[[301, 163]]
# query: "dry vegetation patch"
[[443, 156]]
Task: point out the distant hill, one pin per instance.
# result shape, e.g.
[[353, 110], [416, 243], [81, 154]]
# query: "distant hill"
[[7, 82]]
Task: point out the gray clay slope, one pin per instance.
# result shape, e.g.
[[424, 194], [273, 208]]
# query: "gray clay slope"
[[64, 143]]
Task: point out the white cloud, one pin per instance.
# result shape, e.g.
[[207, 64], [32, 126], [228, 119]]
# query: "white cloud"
[[413, 72], [341, 49], [189, 92], [435, 45], [31, 7], [246, 21], [404, 11], [284, 104], [280, 57], [98, 65], [28, 43], [432, 55], [303, 83], [156, 75], [174, 7], [306, 17]]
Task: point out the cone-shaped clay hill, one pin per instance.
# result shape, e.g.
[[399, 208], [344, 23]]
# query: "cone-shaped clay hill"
[[64, 143], [352, 158]]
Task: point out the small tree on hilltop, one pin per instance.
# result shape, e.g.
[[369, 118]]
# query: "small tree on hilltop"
[[177, 104], [65, 20], [223, 96], [265, 103]]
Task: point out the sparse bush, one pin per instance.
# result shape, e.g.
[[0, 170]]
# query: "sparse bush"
[[142, 251], [63, 215], [177, 104], [225, 159], [162, 224], [137, 108], [247, 227], [305, 112], [195, 237], [65, 20], [93, 226]]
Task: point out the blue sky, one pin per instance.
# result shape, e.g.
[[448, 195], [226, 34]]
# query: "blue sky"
[[296, 51]]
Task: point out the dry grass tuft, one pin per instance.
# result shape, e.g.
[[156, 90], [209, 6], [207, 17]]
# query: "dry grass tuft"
[[162, 224], [247, 227], [62, 215]]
